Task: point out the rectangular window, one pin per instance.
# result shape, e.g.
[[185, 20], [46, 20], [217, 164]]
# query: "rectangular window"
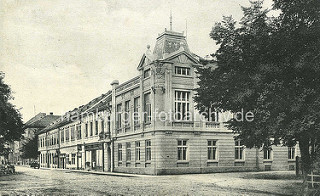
[[72, 133], [91, 128], [79, 131], [136, 110], [267, 154], [182, 105], [239, 149], [127, 113], [102, 126], [137, 151], [291, 153], [119, 154], [67, 134], [119, 117], [128, 151], [146, 73], [147, 108], [67, 159], [182, 150], [182, 71], [212, 150], [96, 128], [86, 130], [148, 150], [73, 159]]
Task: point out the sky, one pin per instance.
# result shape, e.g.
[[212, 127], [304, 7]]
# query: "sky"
[[58, 54]]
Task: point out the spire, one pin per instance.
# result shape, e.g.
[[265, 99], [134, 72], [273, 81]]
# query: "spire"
[[170, 20]]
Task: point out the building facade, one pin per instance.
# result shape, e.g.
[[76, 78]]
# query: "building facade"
[[36, 123], [149, 125]]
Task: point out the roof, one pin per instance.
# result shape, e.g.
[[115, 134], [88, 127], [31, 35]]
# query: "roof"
[[99, 103], [35, 118], [41, 120], [169, 42]]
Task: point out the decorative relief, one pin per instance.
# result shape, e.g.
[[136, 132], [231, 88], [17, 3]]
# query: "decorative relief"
[[159, 70]]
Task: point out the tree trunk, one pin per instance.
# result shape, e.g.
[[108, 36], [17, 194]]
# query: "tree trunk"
[[306, 162]]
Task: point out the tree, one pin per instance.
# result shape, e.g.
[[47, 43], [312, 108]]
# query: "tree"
[[10, 118], [269, 66], [30, 148]]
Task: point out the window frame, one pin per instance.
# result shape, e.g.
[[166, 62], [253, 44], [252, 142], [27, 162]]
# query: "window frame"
[[137, 151], [241, 148], [118, 117], [91, 128], [128, 152], [67, 135], [147, 73], [147, 108], [72, 129], [269, 153], [182, 150], [148, 150], [185, 105], [73, 159], [127, 113], [120, 155], [184, 71], [292, 151], [136, 111], [211, 147], [78, 130]]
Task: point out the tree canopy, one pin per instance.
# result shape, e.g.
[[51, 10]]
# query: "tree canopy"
[[30, 148], [10, 118], [269, 66]]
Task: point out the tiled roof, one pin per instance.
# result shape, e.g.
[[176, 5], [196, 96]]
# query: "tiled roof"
[[41, 121], [98, 102]]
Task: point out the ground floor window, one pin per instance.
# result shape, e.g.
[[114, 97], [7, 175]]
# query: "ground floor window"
[[128, 151], [212, 150], [291, 153], [239, 150], [182, 150], [73, 159], [137, 151], [119, 154], [67, 159], [148, 150], [267, 154]]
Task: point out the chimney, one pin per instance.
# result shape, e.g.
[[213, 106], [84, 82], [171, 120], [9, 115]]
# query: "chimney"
[[114, 84]]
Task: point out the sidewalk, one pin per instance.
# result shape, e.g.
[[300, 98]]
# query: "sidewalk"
[[97, 172]]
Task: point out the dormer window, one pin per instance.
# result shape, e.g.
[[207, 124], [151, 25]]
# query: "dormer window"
[[146, 73], [182, 71]]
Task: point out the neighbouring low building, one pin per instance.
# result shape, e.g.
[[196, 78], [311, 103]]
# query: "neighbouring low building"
[[36, 123], [166, 134]]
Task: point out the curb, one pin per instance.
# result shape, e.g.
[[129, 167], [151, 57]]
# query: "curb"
[[95, 172]]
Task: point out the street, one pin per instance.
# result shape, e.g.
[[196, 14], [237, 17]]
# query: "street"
[[28, 181]]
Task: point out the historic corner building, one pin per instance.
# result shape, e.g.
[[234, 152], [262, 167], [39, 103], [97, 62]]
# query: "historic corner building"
[[100, 139]]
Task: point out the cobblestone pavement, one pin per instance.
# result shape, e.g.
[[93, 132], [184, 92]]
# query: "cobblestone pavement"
[[30, 181]]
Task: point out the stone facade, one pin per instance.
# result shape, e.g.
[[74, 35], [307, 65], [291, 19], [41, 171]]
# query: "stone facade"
[[101, 137]]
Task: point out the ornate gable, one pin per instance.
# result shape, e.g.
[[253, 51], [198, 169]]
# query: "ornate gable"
[[182, 57]]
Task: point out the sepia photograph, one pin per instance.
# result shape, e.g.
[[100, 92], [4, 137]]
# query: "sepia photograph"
[[167, 97]]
